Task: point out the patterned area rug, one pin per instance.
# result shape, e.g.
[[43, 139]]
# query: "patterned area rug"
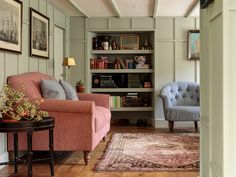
[[151, 152]]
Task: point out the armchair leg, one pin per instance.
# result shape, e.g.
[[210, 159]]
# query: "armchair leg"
[[104, 138], [86, 157], [196, 126], [171, 126]]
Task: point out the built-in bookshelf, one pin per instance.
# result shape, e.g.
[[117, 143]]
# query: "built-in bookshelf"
[[126, 73]]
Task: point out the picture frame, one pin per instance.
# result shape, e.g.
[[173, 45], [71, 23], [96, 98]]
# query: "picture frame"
[[39, 34], [129, 42], [193, 45], [11, 25]]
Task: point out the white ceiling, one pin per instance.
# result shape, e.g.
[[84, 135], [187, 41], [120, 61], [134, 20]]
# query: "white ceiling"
[[128, 8]]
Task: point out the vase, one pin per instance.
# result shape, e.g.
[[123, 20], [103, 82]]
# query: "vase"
[[80, 89]]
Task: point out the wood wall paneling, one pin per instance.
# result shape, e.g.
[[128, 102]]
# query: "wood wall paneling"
[[120, 23], [165, 28], [59, 19], [184, 69], [165, 64], [97, 23], [34, 4], [182, 25], [12, 63], [143, 23]]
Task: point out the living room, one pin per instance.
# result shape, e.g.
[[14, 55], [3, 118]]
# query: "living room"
[[161, 30]]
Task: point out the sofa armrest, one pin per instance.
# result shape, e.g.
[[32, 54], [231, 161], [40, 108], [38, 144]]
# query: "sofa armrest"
[[99, 99], [69, 106]]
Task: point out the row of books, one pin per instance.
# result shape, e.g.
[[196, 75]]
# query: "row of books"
[[130, 100], [104, 63]]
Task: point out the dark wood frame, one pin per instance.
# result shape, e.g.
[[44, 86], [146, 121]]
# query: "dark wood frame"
[[31, 32], [20, 33], [189, 57], [124, 37]]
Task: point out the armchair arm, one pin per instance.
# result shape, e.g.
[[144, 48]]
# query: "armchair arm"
[[69, 106], [99, 99]]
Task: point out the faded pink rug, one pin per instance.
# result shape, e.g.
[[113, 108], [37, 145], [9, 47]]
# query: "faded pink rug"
[[151, 152]]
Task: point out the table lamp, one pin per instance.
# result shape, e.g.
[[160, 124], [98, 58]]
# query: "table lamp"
[[68, 61]]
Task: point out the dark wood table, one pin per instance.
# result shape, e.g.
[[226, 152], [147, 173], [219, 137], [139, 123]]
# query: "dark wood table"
[[29, 126]]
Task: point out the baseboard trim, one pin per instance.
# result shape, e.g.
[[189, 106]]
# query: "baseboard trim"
[[178, 124], [4, 158]]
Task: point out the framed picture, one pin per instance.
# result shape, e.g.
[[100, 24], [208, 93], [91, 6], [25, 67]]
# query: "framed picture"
[[193, 45], [129, 42], [11, 25], [39, 34]]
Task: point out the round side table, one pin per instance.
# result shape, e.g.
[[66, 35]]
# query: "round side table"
[[29, 126]]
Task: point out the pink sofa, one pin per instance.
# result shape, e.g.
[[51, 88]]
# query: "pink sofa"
[[80, 125]]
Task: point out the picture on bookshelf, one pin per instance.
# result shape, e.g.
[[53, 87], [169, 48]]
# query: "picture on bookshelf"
[[129, 42]]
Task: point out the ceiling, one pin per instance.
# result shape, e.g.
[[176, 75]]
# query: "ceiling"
[[128, 8]]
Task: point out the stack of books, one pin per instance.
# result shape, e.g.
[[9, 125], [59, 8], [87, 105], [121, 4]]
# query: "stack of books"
[[134, 81], [107, 82], [132, 100], [99, 63]]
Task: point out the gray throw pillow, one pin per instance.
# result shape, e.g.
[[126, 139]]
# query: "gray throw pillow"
[[69, 90], [52, 89]]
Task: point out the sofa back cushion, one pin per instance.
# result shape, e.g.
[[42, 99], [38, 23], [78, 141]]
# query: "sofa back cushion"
[[69, 90], [30, 82], [52, 89], [180, 94]]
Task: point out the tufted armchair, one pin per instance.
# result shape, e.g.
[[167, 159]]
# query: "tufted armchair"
[[181, 103]]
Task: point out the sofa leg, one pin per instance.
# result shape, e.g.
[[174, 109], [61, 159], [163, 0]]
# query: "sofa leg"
[[86, 157], [104, 138], [171, 126], [196, 126]]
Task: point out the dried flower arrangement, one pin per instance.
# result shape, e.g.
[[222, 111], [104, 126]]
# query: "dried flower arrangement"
[[16, 105]]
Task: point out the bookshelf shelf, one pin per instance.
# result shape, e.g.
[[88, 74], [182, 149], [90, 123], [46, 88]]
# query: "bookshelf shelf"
[[107, 90], [121, 70], [122, 51], [133, 109]]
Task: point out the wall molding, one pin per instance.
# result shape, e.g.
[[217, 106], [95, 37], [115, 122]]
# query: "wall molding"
[[4, 158]]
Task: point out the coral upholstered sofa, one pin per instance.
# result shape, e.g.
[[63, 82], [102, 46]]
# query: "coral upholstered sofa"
[[80, 125]]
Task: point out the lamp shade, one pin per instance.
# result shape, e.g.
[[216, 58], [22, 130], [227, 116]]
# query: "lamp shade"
[[68, 61]]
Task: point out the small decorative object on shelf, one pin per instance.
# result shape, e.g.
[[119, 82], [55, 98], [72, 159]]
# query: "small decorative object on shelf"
[[141, 62], [80, 86], [15, 105], [146, 45]]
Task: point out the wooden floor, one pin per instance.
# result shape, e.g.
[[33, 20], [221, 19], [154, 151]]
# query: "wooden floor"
[[63, 169]]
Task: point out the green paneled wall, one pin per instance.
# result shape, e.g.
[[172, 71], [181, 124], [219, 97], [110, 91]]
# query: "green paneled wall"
[[11, 63]]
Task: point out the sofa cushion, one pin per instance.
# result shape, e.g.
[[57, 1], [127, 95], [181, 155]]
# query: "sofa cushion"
[[102, 117], [183, 113], [52, 89], [30, 82], [69, 90]]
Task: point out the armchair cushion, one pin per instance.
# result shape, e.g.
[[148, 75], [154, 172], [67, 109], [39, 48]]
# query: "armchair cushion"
[[69, 90], [52, 89], [183, 113]]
